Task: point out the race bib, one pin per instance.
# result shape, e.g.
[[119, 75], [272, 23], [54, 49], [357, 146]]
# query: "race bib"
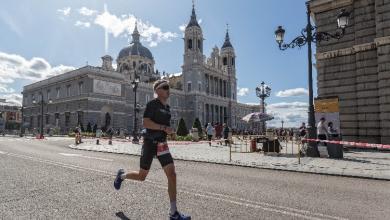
[[162, 148]]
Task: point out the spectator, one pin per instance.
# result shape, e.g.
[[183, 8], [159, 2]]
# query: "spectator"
[[226, 133], [332, 131], [218, 130], [302, 130], [209, 131], [322, 131]]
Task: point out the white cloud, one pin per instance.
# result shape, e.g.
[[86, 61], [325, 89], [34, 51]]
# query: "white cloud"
[[123, 26], [292, 113], [182, 27], [87, 12], [14, 66], [13, 99], [292, 92], [243, 91], [65, 11], [5, 89], [82, 24]]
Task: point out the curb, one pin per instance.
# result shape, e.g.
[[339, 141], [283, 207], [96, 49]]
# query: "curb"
[[237, 163]]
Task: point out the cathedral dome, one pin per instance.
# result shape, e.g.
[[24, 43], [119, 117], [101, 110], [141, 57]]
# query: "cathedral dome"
[[135, 48]]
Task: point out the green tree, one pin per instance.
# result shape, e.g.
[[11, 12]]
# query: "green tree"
[[197, 125], [182, 128], [89, 127]]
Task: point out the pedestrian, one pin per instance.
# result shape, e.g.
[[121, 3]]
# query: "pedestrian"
[[332, 131], [226, 133], [209, 131], [156, 120], [302, 130], [322, 130], [218, 130]]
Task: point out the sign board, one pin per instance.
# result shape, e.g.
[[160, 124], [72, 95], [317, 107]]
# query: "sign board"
[[105, 87], [329, 109]]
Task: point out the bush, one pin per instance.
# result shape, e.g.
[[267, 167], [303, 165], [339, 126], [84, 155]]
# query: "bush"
[[184, 138], [89, 127], [198, 126], [182, 128]]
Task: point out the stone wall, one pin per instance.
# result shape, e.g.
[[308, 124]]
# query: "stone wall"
[[356, 68]]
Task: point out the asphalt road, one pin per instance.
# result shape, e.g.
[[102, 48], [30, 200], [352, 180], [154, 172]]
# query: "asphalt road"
[[46, 180]]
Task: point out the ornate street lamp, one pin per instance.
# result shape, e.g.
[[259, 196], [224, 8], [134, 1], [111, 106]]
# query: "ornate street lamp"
[[134, 84], [263, 91], [42, 103], [308, 37]]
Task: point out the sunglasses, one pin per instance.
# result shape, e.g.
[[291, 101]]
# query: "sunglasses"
[[166, 87]]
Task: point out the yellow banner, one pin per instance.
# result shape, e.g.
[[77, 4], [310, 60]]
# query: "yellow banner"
[[326, 105]]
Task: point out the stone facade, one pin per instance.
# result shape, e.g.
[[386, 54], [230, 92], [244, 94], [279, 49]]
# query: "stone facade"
[[206, 89], [356, 68]]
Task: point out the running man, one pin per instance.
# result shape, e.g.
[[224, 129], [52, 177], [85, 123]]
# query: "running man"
[[156, 120]]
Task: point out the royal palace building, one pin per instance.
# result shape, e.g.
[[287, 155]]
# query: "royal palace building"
[[104, 96]]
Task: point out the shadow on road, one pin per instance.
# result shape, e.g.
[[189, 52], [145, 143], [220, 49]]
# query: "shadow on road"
[[122, 216]]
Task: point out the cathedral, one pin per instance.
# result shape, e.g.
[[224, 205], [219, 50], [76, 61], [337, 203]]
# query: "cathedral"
[[105, 96]]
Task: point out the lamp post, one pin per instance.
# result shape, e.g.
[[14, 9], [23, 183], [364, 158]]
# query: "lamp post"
[[134, 84], [42, 103], [263, 91], [308, 37], [21, 124]]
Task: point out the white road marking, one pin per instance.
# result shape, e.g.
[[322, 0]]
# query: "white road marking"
[[80, 155], [216, 196], [2, 152]]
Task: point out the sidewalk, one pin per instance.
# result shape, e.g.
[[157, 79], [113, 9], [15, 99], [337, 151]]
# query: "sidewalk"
[[374, 165]]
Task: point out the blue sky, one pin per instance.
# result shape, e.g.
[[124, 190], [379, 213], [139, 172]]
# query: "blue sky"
[[44, 38]]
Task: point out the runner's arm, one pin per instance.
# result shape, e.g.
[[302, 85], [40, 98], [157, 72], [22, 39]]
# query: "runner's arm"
[[148, 123]]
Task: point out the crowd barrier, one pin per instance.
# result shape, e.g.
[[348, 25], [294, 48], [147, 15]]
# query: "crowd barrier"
[[352, 144]]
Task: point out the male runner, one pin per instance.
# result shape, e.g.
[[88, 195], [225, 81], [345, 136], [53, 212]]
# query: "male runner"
[[157, 118]]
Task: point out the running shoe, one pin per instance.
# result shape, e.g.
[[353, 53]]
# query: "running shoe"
[[178, 216]]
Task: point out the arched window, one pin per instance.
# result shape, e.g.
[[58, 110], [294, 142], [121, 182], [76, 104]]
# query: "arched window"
[[134, 64], [233, 61], [190, 44], [199, 46], [225, 61]]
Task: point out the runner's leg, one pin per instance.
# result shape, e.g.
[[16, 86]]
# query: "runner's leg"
[[171, 175], [136, 175]]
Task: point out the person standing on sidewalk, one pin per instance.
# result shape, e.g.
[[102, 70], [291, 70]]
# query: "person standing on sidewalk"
[[156, 120], [226, 131], [209, 131], [322, 130]]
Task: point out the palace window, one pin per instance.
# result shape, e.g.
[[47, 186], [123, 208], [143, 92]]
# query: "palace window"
[[48, 94], [58, 93], [190, 44], [81, 85], [68, 90], [67, 119]]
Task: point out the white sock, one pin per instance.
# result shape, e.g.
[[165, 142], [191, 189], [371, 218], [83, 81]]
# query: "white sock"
[[123, 176], [173, 207]]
